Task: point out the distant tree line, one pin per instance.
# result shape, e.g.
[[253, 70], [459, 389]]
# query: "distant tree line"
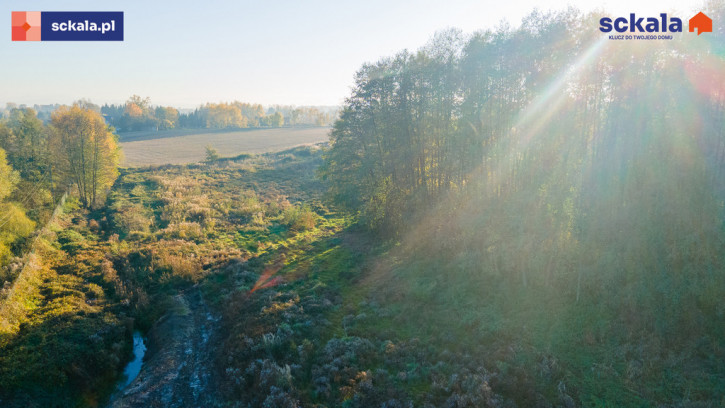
[[43, 112], [138, 114]]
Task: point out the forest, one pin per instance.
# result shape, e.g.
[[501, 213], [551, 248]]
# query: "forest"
[[518, 217]]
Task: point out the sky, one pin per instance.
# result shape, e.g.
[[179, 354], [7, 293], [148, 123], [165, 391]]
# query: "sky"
[[184, 53]]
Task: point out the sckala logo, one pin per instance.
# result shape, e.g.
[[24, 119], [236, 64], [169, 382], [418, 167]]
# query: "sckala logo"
[[26, 25], [702, 22], [67, 26], [663, 24], [634, 24]]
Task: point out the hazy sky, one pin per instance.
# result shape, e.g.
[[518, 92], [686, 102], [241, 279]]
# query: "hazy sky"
[[302, 52]]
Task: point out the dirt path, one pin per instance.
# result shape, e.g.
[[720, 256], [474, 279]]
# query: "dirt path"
[[177, 370]]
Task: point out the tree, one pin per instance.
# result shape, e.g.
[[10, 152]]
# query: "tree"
[[26, 143], [211, 154], [87, 151], [276, 120], [143, 103], [8, 177], [133, 111], [254, 113], [224, 115], [14, 224], [167, 117], [25, 140], [138, 115]]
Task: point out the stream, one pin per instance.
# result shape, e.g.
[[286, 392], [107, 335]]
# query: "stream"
[[178, 369], [134, 366]]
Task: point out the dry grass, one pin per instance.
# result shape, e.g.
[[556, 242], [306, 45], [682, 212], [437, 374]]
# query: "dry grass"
[[178, 147]]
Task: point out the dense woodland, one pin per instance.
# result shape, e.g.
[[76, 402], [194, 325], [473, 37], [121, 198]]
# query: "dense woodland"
[[563, 159], [548, 168], [530, 216]]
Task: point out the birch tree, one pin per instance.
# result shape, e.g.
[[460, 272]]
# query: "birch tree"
[[86, 151]]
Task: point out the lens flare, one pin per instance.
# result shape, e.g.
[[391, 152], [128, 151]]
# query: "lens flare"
[[267, 279]]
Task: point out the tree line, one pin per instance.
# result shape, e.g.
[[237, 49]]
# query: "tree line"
[[138, 114], [545, 154], [39, 162]]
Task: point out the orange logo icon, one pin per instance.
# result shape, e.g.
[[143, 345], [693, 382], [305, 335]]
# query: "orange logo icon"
[[702, 22], [26, 25]]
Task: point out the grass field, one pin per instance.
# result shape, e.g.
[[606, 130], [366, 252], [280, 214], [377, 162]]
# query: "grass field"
[[187, 146]]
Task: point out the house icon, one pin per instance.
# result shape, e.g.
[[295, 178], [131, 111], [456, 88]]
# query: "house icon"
[[702, 22]]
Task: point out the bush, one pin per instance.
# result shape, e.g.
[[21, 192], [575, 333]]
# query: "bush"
[[130, 218], [177, 262], [211, 154], [5, 254], [15, 224], [299, 218], [184, 230], [70, 241]]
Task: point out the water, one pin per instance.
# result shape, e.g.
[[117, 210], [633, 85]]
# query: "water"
[[134, 366]]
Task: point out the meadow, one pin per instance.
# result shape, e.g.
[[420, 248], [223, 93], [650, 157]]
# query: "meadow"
[[282, 300]]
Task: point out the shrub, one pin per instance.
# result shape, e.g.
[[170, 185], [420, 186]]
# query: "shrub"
[[70, 241], [299, 218], [138, 191], [94, 226], [211, 154], [184, 230], [181, 266], [15, 224], [130, 218], [176, 262], [71, 204], [5, 253]]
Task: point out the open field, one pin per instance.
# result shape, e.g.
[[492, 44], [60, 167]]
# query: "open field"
[[187, 146]]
